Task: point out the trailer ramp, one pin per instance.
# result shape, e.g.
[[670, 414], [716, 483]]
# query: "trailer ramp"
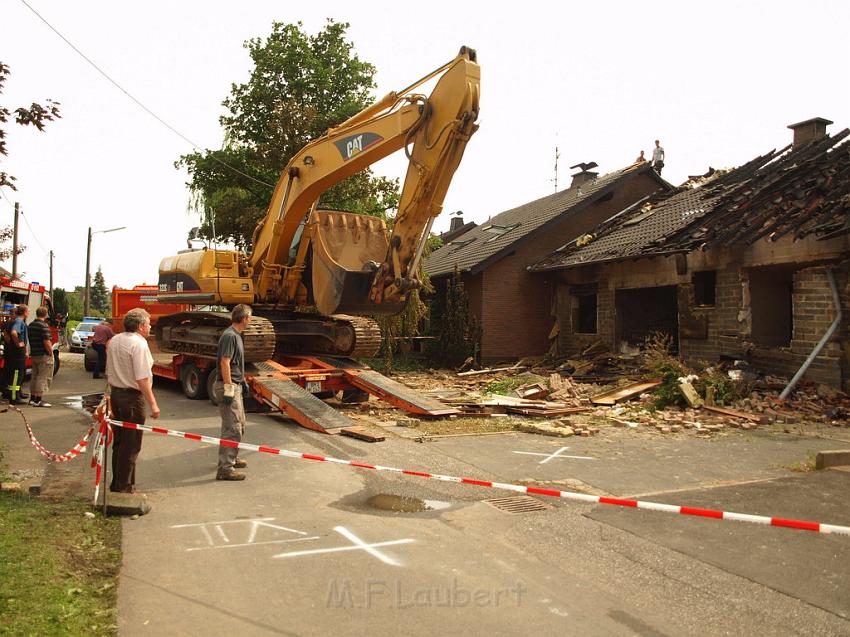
[[300, 405], [387, 389]]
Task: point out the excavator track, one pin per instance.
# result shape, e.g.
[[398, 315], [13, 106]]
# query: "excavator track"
[[336, 335], [197, 334]]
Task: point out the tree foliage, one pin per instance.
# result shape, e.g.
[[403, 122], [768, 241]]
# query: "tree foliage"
[[300, 86], [33, 115], [100, 298], [457, 332], [60, 301]]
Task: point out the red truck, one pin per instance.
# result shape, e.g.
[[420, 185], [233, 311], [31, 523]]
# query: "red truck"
[[16, 292], [124, 300]]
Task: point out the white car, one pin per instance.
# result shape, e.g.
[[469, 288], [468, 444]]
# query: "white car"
[[81, 336]]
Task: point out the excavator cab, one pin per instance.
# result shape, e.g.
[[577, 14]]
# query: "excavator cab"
[[347, 249]]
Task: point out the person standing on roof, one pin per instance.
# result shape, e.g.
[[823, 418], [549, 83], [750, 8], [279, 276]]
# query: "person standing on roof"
[[658, 157], [641, 159], [230, 365], [41, 354], [102, 335]]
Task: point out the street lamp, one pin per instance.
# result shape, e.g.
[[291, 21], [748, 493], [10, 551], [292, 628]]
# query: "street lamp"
[[88, 265]]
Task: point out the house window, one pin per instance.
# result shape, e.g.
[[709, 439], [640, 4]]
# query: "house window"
[[584, 307], [460, 243], [771, 305], [497, 230], [705, 286]]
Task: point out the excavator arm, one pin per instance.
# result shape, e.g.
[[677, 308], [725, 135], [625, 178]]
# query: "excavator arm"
[[433, 131]]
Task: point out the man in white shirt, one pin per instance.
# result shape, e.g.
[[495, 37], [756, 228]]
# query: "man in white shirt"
[[658, 157], [128, 372]]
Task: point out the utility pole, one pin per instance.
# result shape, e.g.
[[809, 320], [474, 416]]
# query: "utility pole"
[[15, 242], [88, 276], [51, 275]]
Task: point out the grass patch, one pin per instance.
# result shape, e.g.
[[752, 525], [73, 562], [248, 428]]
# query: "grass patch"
[[804, 466], [505, 386], [58, 568], [468, 425]]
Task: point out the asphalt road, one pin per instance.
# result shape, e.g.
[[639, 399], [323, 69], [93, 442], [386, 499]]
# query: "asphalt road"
[[299, 547]]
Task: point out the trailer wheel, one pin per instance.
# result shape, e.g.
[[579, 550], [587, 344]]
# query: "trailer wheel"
[[194, 381], [212, 377], [354, 396]]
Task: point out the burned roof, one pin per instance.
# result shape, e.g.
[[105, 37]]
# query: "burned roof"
[[800, 191], [488, 242]]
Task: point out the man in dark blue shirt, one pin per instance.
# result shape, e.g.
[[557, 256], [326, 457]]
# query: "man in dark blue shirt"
[[15, 364]]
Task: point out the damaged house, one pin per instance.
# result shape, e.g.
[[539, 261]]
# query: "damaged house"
[[750, 263], [510, 304]]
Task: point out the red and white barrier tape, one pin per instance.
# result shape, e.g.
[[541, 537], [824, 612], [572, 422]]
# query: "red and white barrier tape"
[[817, 527], [78, 449]]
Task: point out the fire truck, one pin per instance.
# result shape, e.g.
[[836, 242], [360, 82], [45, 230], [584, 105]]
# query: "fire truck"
[[16, 292]]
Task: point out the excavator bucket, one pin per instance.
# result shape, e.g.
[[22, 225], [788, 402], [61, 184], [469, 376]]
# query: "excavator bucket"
[[347, 250]]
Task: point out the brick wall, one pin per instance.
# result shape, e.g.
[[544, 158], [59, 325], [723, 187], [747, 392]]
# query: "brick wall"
[[729, 322], [518, 306]]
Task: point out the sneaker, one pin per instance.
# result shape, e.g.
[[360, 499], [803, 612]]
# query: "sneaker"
[[33, 403], [43, 404], [229, 474], [240, 464]]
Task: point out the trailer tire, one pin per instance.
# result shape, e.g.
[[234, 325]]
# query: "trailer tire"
[[350, 396], [212, 377], [194, 381]]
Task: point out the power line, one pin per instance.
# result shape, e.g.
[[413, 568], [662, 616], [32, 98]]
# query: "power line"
[[138, 103]]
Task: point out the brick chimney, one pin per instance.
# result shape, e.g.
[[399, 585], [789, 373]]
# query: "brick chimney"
[[456, 222], [811, 129], [585, 175]]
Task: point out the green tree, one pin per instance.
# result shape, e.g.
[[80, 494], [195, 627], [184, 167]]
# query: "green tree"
[[75, 304], [300, 86], [33, 115], [457, 333], [60, 301], [100, 294]]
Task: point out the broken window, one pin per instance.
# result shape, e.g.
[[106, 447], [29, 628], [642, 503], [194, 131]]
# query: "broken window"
[[705, 285], [584, 306], [771, 305]]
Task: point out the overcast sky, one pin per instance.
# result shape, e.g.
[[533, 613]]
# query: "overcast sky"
[[716, 82]]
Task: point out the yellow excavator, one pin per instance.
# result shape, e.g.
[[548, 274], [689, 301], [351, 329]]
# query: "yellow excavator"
[[315, 276]]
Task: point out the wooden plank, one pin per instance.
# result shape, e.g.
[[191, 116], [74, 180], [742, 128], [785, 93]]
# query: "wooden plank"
[[491, 371], [624, 393], [361, 434], [733, 413], [537, 411]]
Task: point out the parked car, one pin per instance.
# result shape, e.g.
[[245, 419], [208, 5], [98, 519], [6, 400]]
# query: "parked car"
[[82, 336]]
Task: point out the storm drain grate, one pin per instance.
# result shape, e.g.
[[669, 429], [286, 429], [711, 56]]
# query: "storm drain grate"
[[518, 504]]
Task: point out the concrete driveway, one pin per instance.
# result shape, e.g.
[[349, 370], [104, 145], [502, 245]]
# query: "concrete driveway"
[[304, 548]]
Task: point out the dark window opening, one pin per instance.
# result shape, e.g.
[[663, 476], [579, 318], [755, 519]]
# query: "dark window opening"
[[642, 312], [584, 306], [705, 286], [771, 305]]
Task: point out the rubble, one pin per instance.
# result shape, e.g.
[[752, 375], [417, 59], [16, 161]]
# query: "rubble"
[[625, 391]]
